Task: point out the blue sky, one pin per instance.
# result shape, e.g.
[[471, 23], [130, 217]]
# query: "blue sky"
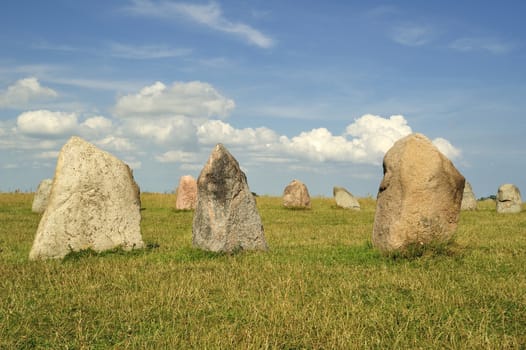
[[311, 90]]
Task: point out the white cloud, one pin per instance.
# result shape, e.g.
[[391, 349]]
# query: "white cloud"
[[209, 15], [193, 99], [146, 52], [446, 148], [46, 123], [176, 156], [492, 45], [216, 131], [374, 135], [365, 141], [412, 34], [320, 145], [97, 123], [114, 143], [23, 92], [174, 130]]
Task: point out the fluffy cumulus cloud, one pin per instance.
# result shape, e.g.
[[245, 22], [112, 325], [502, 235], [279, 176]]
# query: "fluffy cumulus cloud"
[[216, 131], [23, 92], [46, 123], [364, 141], [192, 99], [177, 130], [446, 148]]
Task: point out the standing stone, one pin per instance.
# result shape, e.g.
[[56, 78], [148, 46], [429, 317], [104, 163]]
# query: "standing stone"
[[419, 198], [42, 196], [345, 199], [296, 195], [94, 204], [469, 202], [226, 218], [509, 199], [186, 193]]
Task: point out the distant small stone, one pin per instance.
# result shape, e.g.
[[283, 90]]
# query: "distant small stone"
[[186, 193], [94, 204], [419, 198], [469, 201], [226, 218], [296, 195], [509, 199], [345, 199], [42, 196]]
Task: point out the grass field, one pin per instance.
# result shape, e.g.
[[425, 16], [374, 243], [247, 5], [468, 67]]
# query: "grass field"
[[321, 286]]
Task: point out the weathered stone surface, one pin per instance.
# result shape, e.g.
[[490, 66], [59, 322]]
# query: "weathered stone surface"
[[469, 202], [419, 198], [509, 199], [226, 218], [186, 193], [42, 196], [94, 203], [296, 195], [345, 199]]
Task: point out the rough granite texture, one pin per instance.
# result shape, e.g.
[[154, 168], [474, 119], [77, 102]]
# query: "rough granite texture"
[[469, 202], [419, 197], [345, 199], [509, 199], [186, 193], [94, 203], [42, 196], [296, 195], [226, 218]]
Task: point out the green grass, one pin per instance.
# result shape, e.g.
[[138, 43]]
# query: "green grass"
[[321, 286]]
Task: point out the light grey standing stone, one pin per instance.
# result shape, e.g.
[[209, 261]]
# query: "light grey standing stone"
[[509, 199], [345, 199], [469, 202], [94, 203], [42, 196], [419, 198], [296, 195], [226, 218], [186, 193]]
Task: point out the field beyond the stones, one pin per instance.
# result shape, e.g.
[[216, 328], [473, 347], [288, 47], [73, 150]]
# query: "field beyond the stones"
[[321, 285]]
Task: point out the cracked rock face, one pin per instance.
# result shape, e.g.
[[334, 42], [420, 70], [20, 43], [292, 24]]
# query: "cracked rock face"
[[94, 204], [226, 218], [509, 199], [419, 198]]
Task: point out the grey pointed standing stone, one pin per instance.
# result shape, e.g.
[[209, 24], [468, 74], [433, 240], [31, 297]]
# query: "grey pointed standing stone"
[[226, 218], [345, 199], [186, 193], [94, 204], [419, 198], [42, 196], [509, 199], [296, 195], [469, 202]]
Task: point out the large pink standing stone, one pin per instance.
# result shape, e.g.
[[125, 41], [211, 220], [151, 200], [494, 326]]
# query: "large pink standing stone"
[[186, 193]]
